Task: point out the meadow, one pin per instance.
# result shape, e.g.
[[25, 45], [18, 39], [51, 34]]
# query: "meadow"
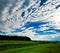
[[17, 46]]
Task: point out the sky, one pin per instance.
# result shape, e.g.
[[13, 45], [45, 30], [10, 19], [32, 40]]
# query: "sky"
[[37, 19]]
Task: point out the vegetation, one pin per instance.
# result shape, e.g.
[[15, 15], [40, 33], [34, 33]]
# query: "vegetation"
[[16, 46]]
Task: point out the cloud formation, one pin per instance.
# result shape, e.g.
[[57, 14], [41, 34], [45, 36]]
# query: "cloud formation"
[[32, 18]]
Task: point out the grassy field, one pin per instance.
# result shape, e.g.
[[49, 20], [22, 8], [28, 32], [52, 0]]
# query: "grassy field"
[[15, 46]]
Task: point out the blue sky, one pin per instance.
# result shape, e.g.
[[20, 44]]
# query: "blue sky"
[[37, 19]]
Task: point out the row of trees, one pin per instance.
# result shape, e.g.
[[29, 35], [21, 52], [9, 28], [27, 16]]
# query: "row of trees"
[[14, 38]]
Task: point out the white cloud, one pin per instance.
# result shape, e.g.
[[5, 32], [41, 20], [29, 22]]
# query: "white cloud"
[[5, 13], [43, 38], [44, 28], [29, 33]]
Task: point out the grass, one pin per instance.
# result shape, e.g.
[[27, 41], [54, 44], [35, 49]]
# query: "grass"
[[15, 46]]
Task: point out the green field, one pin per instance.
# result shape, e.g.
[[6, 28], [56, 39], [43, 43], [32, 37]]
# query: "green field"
[[15, 46]]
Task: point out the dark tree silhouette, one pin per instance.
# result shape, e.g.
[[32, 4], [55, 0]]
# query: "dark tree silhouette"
[[14, 38]]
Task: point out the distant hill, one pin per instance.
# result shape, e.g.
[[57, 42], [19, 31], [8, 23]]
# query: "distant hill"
[[14, 38]]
